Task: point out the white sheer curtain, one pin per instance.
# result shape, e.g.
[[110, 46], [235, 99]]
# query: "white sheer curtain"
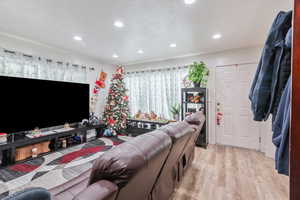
[[155, 90], [19, 65]]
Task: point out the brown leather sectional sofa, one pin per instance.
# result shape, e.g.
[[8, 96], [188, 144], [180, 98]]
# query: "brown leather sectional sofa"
[[148, 167]]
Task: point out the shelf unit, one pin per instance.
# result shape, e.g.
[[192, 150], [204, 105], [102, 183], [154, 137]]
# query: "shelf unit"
[[19, 140], [188, 107], [137, 127]]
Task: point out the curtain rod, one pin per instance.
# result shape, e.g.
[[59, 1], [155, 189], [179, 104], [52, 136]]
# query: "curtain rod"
[[47, 59], [246, 63], [155, 70]]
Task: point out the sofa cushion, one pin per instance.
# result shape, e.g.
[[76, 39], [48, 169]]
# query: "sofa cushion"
[[99, 190], [155, 146], [117, 165], [195, 118], [123, 162], [152, 143], [73, 191], [180, 132], [177, 130], [80, 180]]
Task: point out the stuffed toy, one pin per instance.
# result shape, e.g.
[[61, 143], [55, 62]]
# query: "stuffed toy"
[[93, 120], [109, 132]]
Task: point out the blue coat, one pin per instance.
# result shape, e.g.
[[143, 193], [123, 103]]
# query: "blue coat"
[[281, 125], [281, 131], [264, 87]]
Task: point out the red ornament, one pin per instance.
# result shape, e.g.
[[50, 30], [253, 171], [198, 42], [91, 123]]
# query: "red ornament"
[[120, 70], [100, 84], [111, 121], [125, 98], [95, 91], [117, 76]]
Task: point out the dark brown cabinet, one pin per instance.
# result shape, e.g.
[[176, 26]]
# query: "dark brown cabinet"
[[193, 100]]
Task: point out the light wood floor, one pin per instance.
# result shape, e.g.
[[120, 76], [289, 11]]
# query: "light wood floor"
[[227, 173]]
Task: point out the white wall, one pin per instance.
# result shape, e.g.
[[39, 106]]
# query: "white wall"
[[236, 56], [38, 49]]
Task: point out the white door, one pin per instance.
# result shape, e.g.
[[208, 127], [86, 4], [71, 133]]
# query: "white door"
[[237, 127]]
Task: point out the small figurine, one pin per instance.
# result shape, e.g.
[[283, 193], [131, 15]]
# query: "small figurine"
[[84, 123], [138, 115], [153, 116], [186, 82], [34, 152], [3, 138], [36, 132], [147, 116], [219, 118], [67, 126]]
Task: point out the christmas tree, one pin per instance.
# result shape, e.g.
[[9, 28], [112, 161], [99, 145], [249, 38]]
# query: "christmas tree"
[[116, 110]]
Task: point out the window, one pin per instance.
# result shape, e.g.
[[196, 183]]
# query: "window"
[[19, 65], [155, 90]]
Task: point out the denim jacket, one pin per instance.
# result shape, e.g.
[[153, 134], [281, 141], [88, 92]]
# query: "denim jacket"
[[281, 124], [283, 71], [281, 131], [262, 93]]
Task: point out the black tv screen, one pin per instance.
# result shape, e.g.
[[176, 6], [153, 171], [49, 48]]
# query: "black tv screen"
[[29, 103]]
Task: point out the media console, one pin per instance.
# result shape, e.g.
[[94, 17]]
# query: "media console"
[[20, 141]]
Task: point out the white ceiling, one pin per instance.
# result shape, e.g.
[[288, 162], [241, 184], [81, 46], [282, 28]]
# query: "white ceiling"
[[150, 25]]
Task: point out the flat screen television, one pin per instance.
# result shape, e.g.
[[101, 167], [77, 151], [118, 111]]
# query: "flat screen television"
[[29, 103]]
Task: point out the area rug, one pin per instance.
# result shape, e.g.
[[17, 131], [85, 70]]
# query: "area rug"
[[56, 168]]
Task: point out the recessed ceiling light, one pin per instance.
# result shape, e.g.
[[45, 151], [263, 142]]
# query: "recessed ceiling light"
[[217, 36], [115, 55], [140, 51], [77, 38], [119, 24], [173, 45], [189, 2]]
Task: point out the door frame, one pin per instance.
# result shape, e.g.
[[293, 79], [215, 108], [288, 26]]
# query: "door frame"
[[262, 145]]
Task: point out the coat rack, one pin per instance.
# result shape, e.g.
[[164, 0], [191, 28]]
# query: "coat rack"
[[295, 112]]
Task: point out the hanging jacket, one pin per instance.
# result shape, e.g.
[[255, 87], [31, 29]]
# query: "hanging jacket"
[[281, 123], [283, 71], [262, 93], [281, 131], [289, 38]]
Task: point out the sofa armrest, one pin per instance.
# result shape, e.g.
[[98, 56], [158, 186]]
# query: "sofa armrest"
[[101, 190], [30, 193]]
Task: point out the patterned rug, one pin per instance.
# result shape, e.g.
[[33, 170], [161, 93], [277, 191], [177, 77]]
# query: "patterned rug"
[[56, 168]]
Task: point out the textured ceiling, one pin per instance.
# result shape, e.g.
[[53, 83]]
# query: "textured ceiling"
[[150, 25]]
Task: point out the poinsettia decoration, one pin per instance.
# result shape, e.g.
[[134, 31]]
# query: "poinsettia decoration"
[[99, 83]]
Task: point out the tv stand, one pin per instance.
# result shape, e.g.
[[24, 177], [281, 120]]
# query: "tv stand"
[[18, 141]]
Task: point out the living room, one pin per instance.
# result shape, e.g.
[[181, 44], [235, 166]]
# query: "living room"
[[172, 99]]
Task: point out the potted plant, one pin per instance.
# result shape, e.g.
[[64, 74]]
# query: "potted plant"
[[175, 110], [196, 73]]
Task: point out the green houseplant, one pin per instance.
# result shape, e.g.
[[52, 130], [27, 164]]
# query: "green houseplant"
[[196, 72], [175, 110]]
